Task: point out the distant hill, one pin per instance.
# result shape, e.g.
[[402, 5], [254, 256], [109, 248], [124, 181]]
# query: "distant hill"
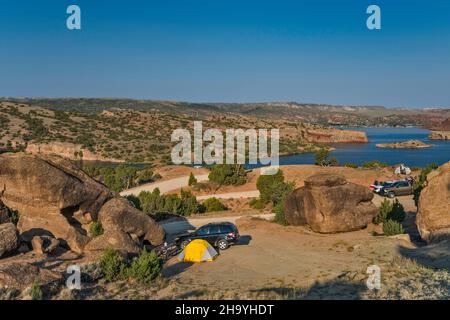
[[312, 113]]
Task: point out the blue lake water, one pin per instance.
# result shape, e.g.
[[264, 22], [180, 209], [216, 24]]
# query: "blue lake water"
[[359, 153]]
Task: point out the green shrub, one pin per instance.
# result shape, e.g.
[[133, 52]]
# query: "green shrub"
[[272, 188], [112, 265], [257, 204], [35, 291], [192, 180], [213, 204], [374, 164], [390, 211], [385, 209], [322, 158], [391, 227], [154, 203], [134, 201], [189, 204], [351, 165], [228, 174], [146, 268], [96, 229], [398, 212], [279, 214]]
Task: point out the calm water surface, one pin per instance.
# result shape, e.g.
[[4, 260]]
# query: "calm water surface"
[[359, 153]]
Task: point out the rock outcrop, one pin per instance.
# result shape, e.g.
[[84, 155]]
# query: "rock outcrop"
[[330, 204], [67, 150], [9, 238], [57, 199], [331, 135], [125, 225], [433, 215], [439, 135], [23, 274], [411, 144]]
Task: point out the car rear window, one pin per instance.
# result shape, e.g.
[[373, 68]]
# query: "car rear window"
[[214, 229], [203, 231], [228, 228]]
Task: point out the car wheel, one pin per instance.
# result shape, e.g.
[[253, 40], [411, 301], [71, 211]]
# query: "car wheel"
[[184, 244], [391, 195], [222, 244]]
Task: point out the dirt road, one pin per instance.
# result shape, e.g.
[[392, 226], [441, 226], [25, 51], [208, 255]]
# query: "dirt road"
[[232, 195], [164, 186]]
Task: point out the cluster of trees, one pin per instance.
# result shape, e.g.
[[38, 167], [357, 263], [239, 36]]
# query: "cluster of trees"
[[36, 128], [322, 158], [122, 177], [213, 204], [157, 204], [391, 215], [374, 164], [228, 174], [144, 269], [273, 189]]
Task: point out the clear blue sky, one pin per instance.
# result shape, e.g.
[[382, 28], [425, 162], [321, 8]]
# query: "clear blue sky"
[[231, 51]]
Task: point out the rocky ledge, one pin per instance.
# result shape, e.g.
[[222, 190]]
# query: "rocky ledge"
[[410, 144], [56, 200], [331, 135], [439, 135]]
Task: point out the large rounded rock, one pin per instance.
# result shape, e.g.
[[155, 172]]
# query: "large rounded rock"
[[433, 215], [126, 228], [9, 238], [330, 204], [50, 194], [116, 239], [57, 199]]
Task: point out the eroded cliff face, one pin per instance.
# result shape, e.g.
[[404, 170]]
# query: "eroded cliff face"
[[331, 135], [67, 150]]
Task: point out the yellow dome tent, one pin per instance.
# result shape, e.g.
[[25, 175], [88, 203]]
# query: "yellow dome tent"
[[198, 251]]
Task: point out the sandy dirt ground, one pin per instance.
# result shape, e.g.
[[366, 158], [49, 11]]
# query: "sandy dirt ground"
[[273, 261], [276, 262]]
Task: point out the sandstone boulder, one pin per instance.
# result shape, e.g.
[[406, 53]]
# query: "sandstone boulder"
[[50, 192], [433, 215], [126, 228], [57, 199], [330, 204], [9, 238], [119, 214], [116, 239]]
